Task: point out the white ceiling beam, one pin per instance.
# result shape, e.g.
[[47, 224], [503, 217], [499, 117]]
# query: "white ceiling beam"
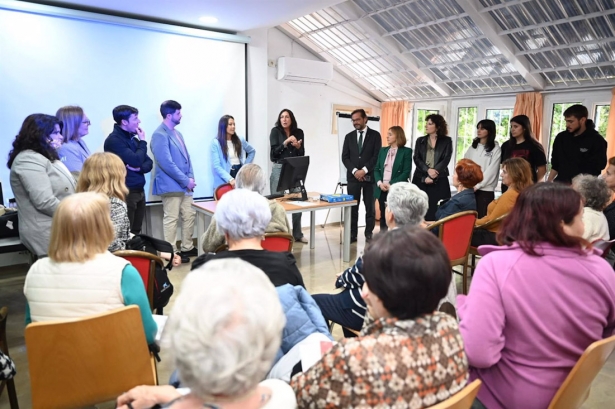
[[502, 5], [468, 61], [556, 22], [575, 67], [428, 24], [567, 46], [351, 11], [490, 28], [403, 3], [448, 43]]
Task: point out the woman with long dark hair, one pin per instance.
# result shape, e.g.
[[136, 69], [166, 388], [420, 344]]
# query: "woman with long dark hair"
[[536, 302], [39, 180], [286, 141], [485, 152], [522, 144], [229, 152], [432, 154]]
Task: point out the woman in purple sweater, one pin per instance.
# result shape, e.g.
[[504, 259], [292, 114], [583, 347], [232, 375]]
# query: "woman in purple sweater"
[[537, 302]]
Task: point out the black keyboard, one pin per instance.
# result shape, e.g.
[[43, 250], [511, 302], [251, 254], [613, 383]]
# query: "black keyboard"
[[275, 196]]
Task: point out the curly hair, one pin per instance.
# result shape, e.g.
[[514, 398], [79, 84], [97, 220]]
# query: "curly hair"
[[595, 192], [34, 135], [469, 173], [440, 123]]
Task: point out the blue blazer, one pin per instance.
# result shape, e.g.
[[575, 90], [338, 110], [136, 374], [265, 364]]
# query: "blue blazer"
[[462, 201], [173, 167], [73, 154], [222, 167]]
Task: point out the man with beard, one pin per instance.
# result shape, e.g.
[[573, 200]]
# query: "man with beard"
[[359, 155], [580, 149], [174, 179]]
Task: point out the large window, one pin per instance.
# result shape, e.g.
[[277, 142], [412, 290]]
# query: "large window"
[[466, 129], [558, 122], [421, 114], [601, 118], [501, 117]]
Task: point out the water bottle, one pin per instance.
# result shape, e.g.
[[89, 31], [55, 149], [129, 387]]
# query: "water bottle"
[[12, 204]]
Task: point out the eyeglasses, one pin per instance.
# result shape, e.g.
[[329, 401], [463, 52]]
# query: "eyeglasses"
[[87, 122]]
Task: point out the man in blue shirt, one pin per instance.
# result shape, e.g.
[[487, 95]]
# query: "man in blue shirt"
[[128, 142], [174, 179]]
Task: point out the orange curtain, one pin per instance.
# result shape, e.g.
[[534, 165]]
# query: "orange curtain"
[[610, 129], [530, 104], [393, 113]]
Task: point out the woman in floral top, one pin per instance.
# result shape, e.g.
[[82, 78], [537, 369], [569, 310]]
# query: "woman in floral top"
[[409, 355]]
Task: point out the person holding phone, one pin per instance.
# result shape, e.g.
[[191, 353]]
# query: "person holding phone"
[[128, 142]]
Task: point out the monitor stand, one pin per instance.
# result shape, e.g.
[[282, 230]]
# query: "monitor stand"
[[304, 196]]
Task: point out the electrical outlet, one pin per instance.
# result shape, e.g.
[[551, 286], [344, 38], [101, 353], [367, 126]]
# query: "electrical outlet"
[[271, 63]]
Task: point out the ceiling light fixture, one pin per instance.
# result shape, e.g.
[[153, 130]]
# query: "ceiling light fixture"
[[208, 19]]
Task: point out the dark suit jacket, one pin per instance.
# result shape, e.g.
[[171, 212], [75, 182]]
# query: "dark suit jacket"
[[442, 157], [402, 167], [352, 158]]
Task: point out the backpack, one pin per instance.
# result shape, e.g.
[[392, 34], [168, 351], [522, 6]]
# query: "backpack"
[[163, 288]]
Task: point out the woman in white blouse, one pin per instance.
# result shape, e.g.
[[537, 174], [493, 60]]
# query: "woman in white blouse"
[[597, 196]]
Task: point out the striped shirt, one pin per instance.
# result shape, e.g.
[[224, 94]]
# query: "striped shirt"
[[352, 280]]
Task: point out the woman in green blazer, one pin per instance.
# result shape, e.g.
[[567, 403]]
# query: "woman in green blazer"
[[394, 165]]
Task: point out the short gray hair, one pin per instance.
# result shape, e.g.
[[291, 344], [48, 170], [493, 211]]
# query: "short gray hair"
[[594, 190], [242, 214], [408, 204], [225, 328], [251, 177]]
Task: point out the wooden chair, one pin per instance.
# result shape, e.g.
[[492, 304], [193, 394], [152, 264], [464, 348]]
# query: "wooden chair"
[[455, 232], [10, 384], [575, 389], [462, 399], [474, 250], [221, 190], [79, 363], [145, 263], [278, 242]]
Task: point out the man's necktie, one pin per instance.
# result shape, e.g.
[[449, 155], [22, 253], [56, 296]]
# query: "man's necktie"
[[360, 141]]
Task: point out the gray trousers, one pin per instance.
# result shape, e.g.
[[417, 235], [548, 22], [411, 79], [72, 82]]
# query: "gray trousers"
[[273, 182]]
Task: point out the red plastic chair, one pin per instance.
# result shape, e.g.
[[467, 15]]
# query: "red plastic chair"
[[455, 232], [221, 190], [145, 263], [278, 242]]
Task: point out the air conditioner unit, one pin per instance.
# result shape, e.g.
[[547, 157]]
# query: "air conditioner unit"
[[307, 71]]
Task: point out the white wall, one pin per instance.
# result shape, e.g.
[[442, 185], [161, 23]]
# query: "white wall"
[[312, 106]]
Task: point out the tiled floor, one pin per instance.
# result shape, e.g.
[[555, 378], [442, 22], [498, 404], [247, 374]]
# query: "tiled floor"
[[318, 266]]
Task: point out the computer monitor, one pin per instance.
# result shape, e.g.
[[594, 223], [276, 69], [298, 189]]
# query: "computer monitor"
[[293, 174]]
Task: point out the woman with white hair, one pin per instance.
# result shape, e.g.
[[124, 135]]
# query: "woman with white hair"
[[239, 319], [250, 177], [406, 206], [242, 217], [597, 196]]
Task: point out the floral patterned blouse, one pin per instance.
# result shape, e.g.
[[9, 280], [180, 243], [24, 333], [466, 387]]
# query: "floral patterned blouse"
[[394, 363], [121, 224]]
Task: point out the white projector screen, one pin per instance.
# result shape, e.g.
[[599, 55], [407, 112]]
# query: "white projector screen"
[[49, 60]]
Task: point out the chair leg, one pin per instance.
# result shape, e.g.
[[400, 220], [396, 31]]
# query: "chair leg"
[[465, 278], [10, 387]]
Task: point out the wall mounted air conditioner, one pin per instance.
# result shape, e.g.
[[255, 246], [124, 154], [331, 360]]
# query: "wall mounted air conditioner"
[[306, 71]]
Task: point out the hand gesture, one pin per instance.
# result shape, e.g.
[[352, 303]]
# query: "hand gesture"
[[297, 143], [141, 134], [432, 173], [191, 185], [232, 183], [143, 397], [359, 174], [428, 181]]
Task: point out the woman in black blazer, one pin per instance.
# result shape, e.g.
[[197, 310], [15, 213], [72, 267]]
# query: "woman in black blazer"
[[286, 140], [432, 154]]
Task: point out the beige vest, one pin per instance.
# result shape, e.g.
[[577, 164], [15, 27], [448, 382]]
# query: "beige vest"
[[61, 291]]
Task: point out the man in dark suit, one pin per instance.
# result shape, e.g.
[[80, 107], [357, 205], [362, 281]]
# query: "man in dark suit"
[[359, 155]]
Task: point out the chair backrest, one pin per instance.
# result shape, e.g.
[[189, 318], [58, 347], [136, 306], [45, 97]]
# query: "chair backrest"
[[4, 312], [79, 363], [455, 232], [497, 220], [575, 388], [278, 242], [462, 399], [145, 263], [221, 190]]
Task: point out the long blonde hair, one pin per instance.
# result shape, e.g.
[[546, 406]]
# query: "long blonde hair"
[[103, 172], [81, 228]]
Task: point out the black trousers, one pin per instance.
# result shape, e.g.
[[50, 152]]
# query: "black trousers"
[[483, 198], [354, 188], [331, 307], [436, 191], [482, 236], [135, 202], [381, 202]]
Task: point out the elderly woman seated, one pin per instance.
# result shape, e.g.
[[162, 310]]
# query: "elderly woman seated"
[[250, 177], [242, 217], [239, 319], [410, 355], [80, 277], [597, 196]]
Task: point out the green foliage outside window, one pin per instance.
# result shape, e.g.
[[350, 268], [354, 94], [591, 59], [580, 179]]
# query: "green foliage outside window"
[[558, 123], [601, 118], [466, 129], [421, 114], [501, 117]]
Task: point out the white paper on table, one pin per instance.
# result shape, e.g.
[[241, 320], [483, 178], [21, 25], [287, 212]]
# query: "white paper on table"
[[161, 321], [297, 203]]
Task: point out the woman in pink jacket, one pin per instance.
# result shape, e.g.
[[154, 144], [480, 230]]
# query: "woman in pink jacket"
[[537, 302]]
